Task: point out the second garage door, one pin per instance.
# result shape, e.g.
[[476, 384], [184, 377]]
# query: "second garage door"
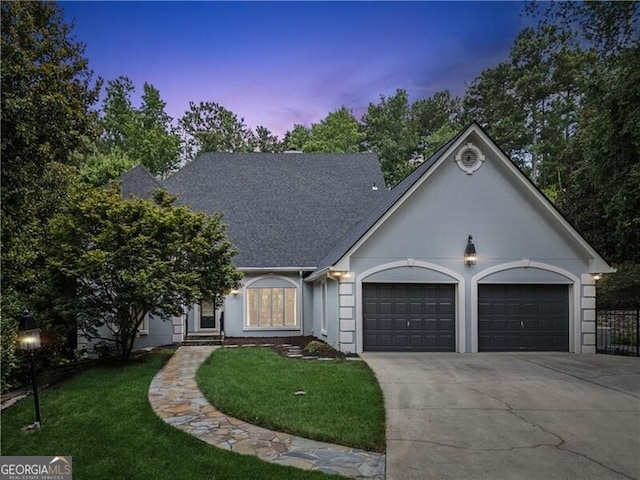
[[523, 318], [408, 317]]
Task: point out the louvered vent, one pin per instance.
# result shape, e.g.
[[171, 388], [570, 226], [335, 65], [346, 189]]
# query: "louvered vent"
[[469, 158]]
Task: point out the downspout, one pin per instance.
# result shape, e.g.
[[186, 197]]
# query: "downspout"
[[301, 302], [186, 324]]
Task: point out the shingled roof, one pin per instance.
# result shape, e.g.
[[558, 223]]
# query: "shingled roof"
[[139, 182], [283, 210]]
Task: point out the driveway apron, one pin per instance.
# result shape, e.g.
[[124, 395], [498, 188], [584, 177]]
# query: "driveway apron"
[[510, 416], [175, 397]]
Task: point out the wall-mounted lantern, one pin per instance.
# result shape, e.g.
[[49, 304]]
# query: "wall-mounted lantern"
[[29, 337], [337, 274], [470, 256]]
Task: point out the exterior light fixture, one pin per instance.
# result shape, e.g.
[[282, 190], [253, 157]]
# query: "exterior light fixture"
[[29, 337], [470, 252], [234, 291], [597, 276], [337, 274]]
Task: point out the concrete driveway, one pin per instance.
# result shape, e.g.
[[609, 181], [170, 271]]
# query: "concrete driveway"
[[510, 416]]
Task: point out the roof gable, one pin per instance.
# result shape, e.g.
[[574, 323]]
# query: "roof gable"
[[411, 183], [138, 182], [282, 210]]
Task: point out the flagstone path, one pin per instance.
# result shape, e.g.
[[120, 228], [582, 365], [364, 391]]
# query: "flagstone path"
[[176, 398]]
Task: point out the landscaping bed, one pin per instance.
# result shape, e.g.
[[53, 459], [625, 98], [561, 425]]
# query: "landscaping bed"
[[310, 346]]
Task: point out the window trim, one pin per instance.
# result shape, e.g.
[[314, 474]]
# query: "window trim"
[[297, 308], [324, 308], [143, 329]]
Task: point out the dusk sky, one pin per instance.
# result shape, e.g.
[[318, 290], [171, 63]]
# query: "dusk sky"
[[276, 64]]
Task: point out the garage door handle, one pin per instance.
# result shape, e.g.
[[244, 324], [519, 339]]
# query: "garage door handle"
[[408, 323], [521, 324]]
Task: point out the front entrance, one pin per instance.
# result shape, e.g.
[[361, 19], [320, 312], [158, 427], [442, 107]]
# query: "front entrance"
[[209, 318]]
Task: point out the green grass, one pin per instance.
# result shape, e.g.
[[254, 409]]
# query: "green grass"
[[103, 419], [343, 402]]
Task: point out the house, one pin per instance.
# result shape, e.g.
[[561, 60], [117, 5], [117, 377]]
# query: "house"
[[464, 255]]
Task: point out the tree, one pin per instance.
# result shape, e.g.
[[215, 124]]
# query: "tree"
[[297, 138], [432, 113], [601, 193], [398, 131], [143, 135], [46, 103], [490, 101], [267, 141], [133, 257], [392, 135], [439, 138], [210, 127], [339, 132], [100, 168]]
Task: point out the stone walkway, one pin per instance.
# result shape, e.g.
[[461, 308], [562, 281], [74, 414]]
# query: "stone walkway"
[[175, 397]]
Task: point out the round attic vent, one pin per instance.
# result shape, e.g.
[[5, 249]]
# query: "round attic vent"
[[469, 158]]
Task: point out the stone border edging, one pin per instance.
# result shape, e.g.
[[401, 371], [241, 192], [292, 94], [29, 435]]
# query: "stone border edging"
[[175, 397]]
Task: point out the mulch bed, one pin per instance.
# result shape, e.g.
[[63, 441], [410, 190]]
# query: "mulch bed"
[[279, 345]]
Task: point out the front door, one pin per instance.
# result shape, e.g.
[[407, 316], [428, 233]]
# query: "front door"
[[209, 315]]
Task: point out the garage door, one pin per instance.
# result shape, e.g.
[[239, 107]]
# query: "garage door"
[[523, 318], [408, 317]]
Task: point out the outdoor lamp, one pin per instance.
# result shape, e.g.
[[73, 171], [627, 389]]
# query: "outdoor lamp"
[[337, 274], [29, 337], [470, 252]]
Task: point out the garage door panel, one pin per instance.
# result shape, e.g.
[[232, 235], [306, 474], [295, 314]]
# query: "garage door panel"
[[370, 308], [422, 317], [446, 324], [401, 308], [523, 318], [399, 324]]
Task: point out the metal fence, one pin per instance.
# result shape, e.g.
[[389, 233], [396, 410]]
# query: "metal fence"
[[618, 331]]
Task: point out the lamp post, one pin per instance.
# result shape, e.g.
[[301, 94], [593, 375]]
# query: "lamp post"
[[29, 337]]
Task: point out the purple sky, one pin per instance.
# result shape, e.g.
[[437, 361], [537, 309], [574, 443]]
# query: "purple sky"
[[276, 64]]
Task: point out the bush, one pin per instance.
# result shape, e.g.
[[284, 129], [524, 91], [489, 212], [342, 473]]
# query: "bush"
[[9, 360], [316, 346], [620, 289]]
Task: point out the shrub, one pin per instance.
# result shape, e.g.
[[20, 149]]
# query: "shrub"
[[9, 360], [621, 289], [316, 346]]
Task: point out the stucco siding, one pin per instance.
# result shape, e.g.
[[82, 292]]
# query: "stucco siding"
[[517, 239]]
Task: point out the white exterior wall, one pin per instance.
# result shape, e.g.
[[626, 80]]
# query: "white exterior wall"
[[518, 240]]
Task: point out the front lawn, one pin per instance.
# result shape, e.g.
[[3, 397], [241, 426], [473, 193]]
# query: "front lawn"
[[342, 403], [102, 418]]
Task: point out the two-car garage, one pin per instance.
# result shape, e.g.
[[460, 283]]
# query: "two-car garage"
[[421, 317]]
